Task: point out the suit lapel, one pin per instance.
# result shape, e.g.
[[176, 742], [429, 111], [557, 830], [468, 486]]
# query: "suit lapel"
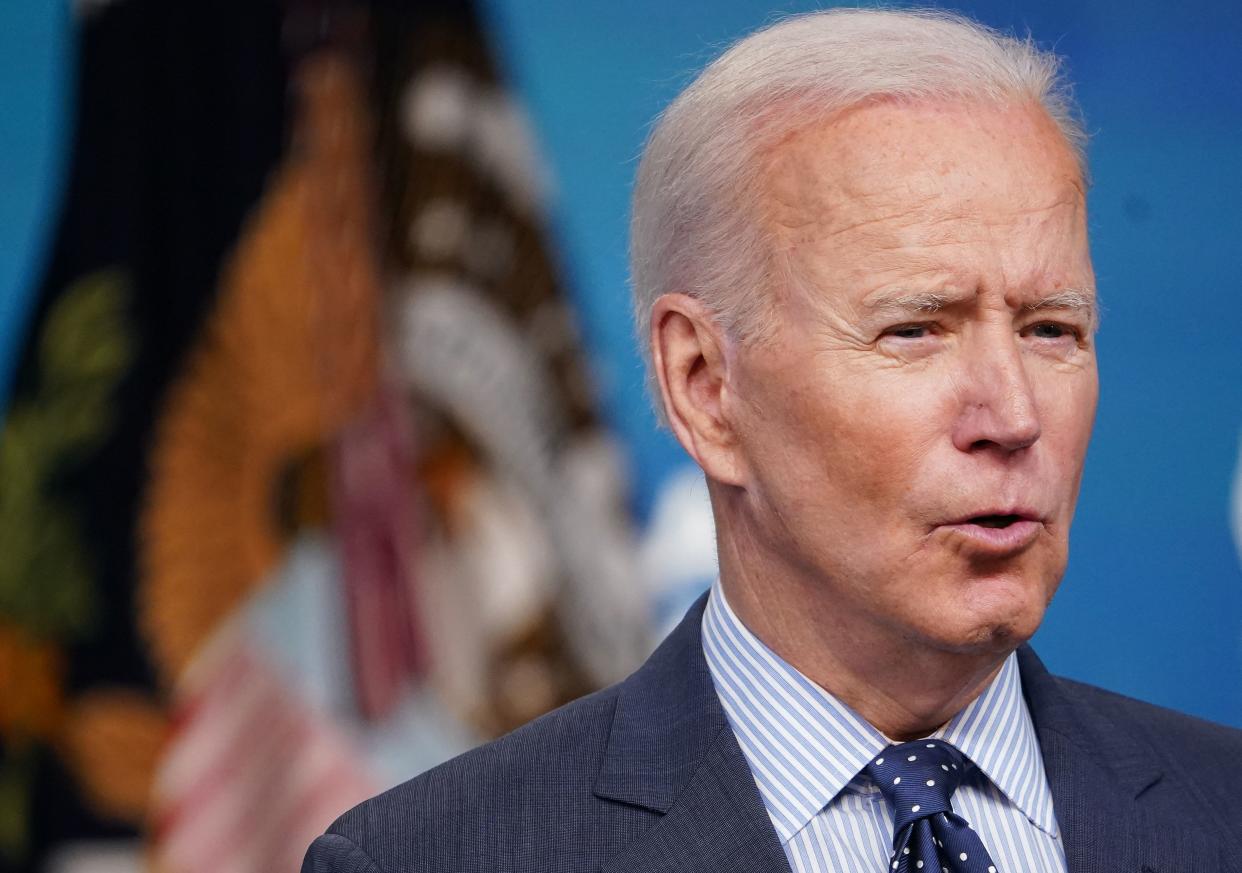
[[1097, 772], [1096, 815], [671, 750], [717, 824]]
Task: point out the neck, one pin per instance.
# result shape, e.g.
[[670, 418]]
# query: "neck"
[[904, 688]]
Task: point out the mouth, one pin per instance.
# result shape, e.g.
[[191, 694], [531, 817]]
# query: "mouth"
[[999, 522], [996, 533]]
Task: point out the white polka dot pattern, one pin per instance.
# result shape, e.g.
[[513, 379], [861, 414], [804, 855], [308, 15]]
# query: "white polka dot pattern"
[[930, 830]]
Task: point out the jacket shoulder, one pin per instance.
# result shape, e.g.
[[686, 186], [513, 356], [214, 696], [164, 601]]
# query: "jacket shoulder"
[[498, 806], [1198, 757], [1194, 740]]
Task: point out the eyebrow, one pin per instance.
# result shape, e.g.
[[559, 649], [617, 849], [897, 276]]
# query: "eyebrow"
[[1071, 299], [905, 301]]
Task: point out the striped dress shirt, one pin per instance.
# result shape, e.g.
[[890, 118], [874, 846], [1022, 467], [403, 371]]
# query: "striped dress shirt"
[[806, 750]]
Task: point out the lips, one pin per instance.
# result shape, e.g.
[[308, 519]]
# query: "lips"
[[997, 531], [1001, 520]]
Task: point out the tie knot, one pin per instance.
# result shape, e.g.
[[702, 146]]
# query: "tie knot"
[[917, 779]]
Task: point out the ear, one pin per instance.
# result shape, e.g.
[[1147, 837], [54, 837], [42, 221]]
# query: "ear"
[[689, 354]]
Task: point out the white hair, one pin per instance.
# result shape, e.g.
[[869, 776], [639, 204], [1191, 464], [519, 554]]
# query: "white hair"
[[693, 229]]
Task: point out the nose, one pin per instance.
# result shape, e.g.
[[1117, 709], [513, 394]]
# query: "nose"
[[998, 411]]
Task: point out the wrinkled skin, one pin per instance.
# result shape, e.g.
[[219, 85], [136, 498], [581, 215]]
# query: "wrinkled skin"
[[932, 361]]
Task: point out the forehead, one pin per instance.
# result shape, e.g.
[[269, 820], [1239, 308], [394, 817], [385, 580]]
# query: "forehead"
[[919, 171]]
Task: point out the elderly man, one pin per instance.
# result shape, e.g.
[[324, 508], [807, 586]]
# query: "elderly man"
[[860, 259]]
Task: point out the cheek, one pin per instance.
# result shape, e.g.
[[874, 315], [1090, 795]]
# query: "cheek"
[[853, 450], [1067, 410]]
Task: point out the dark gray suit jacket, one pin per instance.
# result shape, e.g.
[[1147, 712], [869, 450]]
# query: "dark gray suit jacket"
[[647, 776]]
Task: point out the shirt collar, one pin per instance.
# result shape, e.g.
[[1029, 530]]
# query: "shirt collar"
[[995, 732], [804, 746]]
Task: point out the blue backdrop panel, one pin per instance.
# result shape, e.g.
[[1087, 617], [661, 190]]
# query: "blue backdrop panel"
[[35, 69]]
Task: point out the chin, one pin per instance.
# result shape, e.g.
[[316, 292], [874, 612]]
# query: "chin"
[[998, 639], [1002, 637], [997, 617]]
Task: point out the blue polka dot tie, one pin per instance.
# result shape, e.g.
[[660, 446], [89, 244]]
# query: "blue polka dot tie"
[[918, 779]]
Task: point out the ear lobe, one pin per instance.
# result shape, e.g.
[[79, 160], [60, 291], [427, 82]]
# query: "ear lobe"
[[689, 356]]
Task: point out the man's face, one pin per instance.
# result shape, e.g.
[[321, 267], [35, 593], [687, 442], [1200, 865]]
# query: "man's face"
[[914, 431]]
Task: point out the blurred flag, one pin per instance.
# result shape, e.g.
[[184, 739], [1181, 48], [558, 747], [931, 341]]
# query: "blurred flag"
[[301, 485], [161, 178]]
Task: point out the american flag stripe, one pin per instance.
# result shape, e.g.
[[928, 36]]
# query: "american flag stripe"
[[253, 773]]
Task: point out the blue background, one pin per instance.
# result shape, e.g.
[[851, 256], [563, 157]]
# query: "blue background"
[[1152, 603]]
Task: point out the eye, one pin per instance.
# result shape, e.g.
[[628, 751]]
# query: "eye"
[[1051, 330], [909, 331]]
